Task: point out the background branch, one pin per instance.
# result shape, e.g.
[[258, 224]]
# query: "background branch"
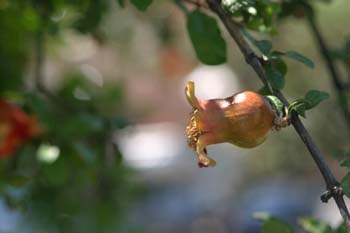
[[340, 87], [253, 60]]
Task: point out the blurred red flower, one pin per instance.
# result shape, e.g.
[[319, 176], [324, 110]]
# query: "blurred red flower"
[[16, 127]]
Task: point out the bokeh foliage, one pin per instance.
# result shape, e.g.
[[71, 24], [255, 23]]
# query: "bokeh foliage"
[[86, 188]]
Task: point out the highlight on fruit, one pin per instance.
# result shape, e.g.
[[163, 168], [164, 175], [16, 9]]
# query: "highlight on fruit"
[[243, 119]]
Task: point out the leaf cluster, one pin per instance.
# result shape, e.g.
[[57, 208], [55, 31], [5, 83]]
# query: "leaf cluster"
[[308, 225]]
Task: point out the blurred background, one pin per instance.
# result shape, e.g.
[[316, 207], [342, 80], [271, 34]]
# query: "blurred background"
[[103, 89]]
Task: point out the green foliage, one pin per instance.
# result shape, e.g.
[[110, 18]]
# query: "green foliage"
[[265, 47], [311, 225], [206, 38], [256, 15], [314, 97], [86, 162], [275, 71], [276, 104], [276, 226], [17, 26], [264, 91], [345, 163], [273, 225], [121, 3], [141, 4], [343, 53], [311, 100], [299, 57], [341, 229], [275, 67], [345, 184], [92, 16]]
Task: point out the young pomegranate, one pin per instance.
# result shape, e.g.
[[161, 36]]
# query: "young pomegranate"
[[243, 119]]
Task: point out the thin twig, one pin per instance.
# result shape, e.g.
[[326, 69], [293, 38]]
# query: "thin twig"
[[253, 60], [333, 72]]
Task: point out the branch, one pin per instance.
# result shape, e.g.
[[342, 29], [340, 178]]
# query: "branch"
[[340, 87], [252, 59]]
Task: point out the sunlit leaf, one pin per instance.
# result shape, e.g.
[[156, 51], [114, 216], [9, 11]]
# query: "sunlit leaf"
[[311, 225], [276, 104]]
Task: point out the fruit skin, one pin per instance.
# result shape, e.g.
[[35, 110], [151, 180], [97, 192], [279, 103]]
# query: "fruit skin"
[[243, 119]]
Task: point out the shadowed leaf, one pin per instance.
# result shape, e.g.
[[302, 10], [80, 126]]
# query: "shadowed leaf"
[[299, 57], [314, 226], [206, 38], [142, 5]]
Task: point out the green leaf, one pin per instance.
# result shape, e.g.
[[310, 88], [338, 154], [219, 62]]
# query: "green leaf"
[[86, 152], [300, 106], [276, 103], [341, 229], [275, 76], [264, 91], [300, 109], [311, 225], [280, 66], [142, 5], [264, 46], [17, 180], [121, 3], [314, 97], [345, 163], [275, 54], [299, 57], [206, 38], [273, 225], [345, 184]]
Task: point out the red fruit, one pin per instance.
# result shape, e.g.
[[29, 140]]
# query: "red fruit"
[[16, 127]]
